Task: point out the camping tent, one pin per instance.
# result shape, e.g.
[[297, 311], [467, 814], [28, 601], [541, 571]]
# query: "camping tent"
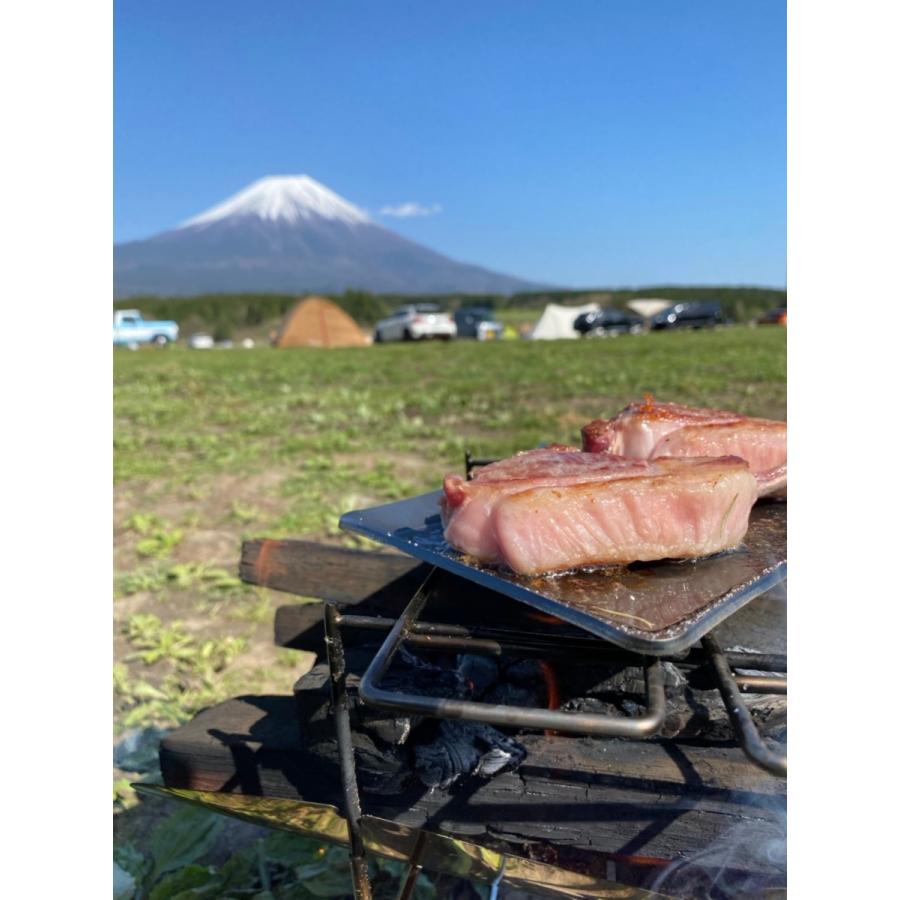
[[316, 322], [559, 321], [648, 307]]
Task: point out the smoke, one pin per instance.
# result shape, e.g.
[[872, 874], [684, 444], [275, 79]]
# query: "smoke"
[[748, 861]]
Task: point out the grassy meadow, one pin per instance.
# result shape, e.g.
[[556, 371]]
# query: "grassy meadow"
[[214, 447]]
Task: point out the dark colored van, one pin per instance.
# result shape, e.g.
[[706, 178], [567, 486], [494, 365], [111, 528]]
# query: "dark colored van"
[[691, 314]]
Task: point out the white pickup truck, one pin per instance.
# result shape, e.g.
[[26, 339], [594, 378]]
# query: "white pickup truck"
[[130, 328]]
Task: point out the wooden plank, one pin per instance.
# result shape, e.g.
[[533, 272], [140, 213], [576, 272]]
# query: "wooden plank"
[[658, 798], [453, 600], [336, 574], [300, 627]]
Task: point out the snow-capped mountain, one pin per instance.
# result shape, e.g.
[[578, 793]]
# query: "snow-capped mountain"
[[287, 198], [291, 234]]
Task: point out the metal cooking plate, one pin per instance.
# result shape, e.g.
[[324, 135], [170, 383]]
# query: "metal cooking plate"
[[657, 608]]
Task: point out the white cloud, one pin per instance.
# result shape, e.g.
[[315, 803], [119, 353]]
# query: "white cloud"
[[410, 209]]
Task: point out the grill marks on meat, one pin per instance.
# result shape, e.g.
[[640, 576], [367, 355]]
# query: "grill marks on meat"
[[649, 430], [557, 509]]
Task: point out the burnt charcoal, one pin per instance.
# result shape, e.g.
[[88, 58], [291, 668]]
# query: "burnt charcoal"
[[465, 748], [312, 694], [770, 714], [513, 695], [413, 675], [393, 731], [689, 712], [600, 680], [477, 672], [593, 705], [379, 769], [524, 672], [471, 676], [701, 713], [673, 677], [521, 683]]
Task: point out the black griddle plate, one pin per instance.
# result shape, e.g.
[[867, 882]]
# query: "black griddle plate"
[[656, 608]]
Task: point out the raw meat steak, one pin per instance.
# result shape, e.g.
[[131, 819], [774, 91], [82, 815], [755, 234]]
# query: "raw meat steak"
[[557, 509], [649, 430]]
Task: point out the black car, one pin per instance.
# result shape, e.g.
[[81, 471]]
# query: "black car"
[[692, 314], [477, 322], [602, 322]]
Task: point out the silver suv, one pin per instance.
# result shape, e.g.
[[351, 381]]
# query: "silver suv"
[[416, 322]]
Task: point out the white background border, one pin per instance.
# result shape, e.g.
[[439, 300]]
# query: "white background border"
[[844, 347]]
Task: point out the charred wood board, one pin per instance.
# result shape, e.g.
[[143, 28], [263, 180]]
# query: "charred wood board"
[[336, 574], [453, 600], [760, 626], [657, 798]]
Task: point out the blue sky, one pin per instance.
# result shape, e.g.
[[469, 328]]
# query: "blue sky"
[[582, 144]]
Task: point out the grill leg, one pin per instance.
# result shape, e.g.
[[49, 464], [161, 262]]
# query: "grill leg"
[[741, 720], [362, 889], [413, 868]]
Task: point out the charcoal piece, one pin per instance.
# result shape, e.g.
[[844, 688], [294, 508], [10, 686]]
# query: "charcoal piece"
[[673, 677], [413, 675], [465, 748], [602, 680], [591, 705], [312, 694], [702, 713], [769, 712], [524, 672], [598, 680], [513, 695], [379, 770], [477, 672]]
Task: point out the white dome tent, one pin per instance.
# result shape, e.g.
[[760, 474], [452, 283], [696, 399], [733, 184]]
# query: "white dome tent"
[[559, 321]]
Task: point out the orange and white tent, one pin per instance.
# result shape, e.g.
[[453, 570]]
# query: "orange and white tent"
[[317, 322]]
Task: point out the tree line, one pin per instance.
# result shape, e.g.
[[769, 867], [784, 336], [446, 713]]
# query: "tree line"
[[222, 313]]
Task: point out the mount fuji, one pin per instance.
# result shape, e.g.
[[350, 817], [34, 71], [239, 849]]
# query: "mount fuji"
[[290, 234]]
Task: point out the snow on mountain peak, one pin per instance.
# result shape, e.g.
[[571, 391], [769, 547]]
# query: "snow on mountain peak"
[[286, 198]]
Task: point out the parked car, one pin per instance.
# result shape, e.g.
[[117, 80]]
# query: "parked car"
[[777, 316], [477, 322], [201, 342], [416, 322], [692, 314], [130, 328], [603, 322]]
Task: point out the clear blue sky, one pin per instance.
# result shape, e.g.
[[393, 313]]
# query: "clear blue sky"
[[592, 143]]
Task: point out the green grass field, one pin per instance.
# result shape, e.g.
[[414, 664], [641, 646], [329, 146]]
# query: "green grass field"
[[213, 447], [182, 415]]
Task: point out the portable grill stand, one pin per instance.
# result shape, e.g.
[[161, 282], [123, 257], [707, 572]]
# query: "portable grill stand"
[[407, 628]]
